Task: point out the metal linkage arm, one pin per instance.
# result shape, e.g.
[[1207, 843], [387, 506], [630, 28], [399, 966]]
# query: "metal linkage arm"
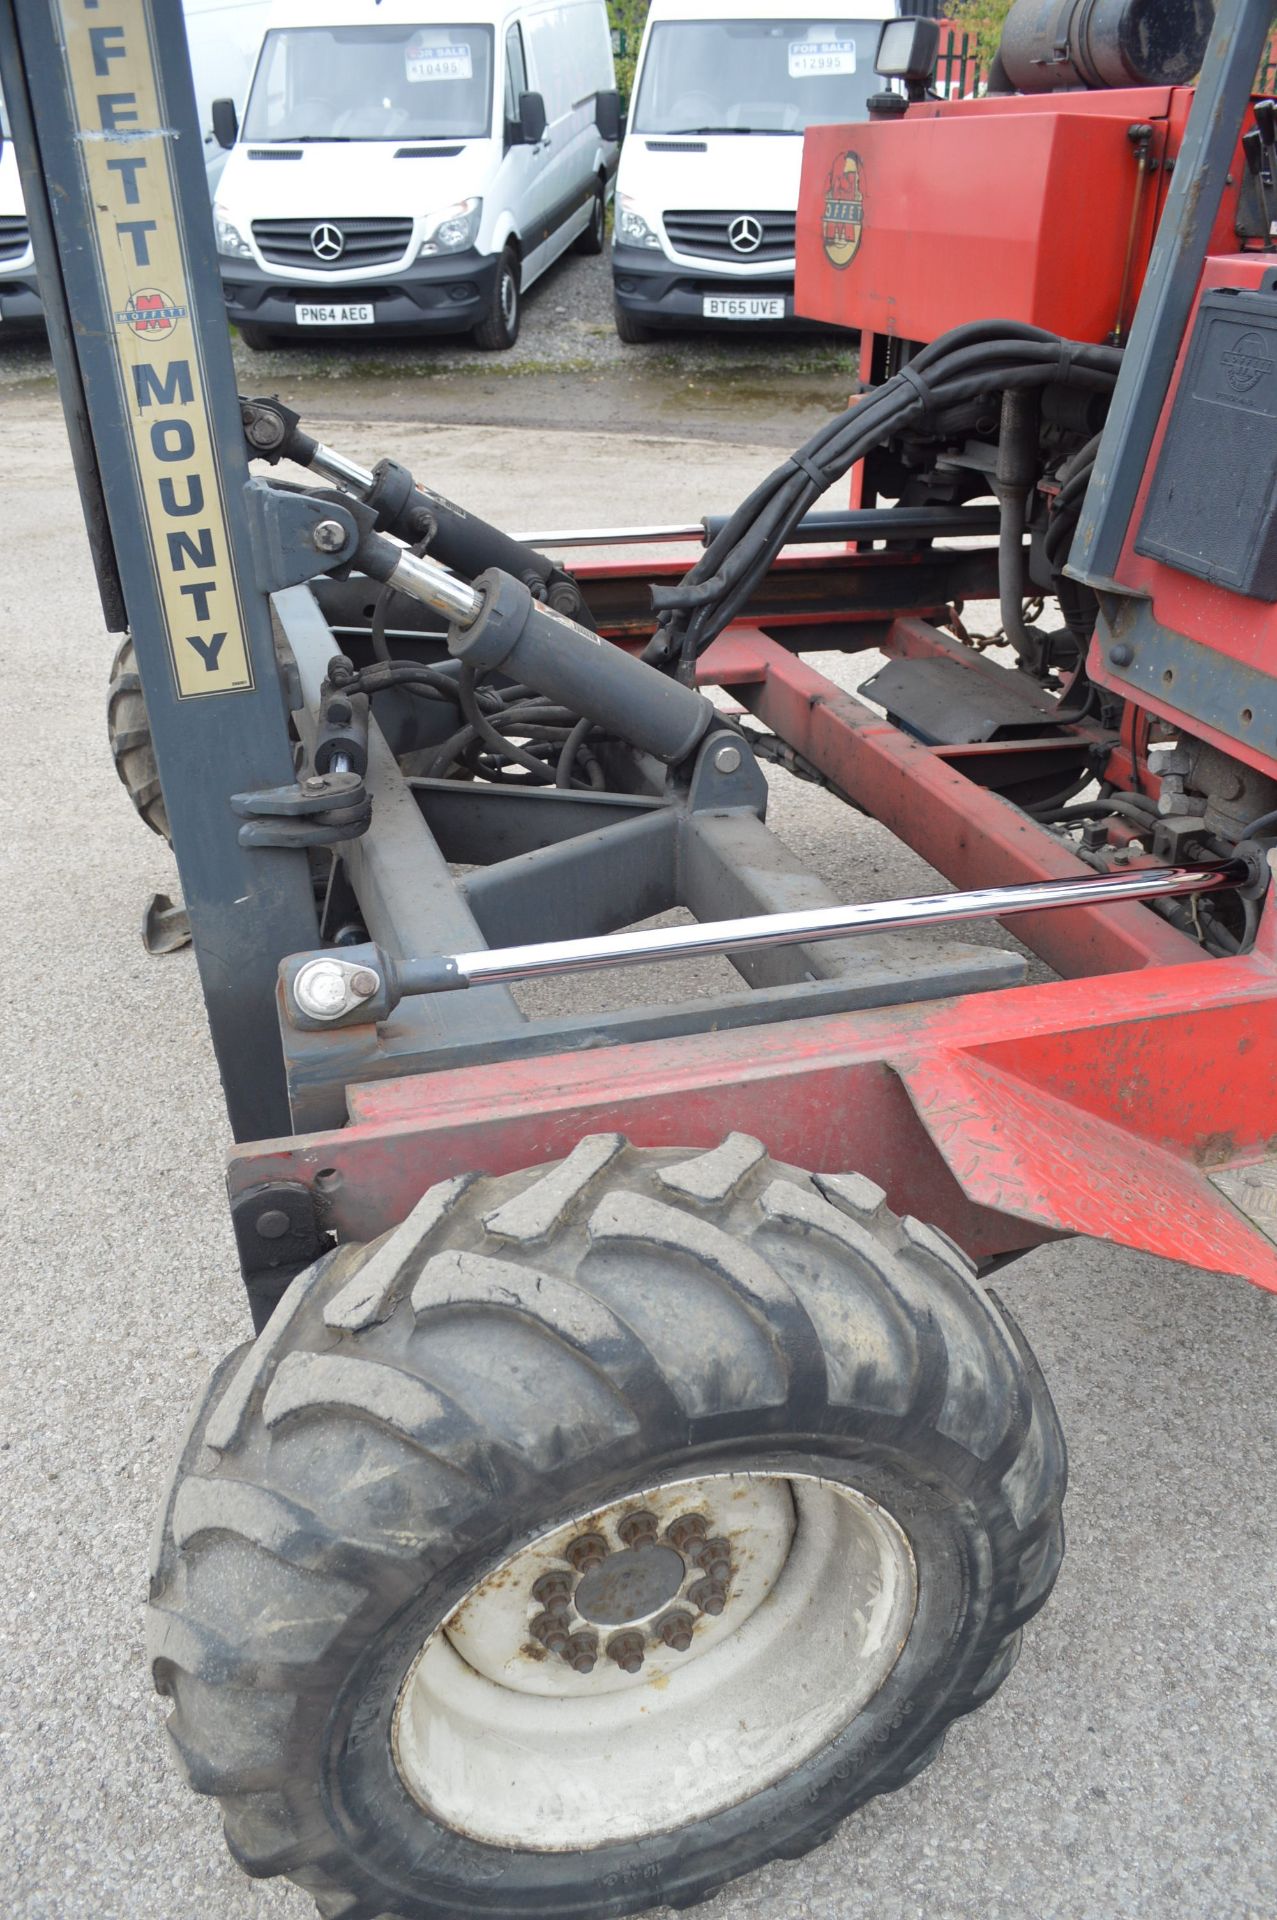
[[365, 984]]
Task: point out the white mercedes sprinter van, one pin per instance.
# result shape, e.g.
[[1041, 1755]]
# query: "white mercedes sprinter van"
[[19, 294], [414, 165], [707, 192]]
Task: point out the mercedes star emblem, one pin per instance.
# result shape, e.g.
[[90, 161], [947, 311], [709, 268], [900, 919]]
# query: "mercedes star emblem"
[[745, 233], [329, 243]]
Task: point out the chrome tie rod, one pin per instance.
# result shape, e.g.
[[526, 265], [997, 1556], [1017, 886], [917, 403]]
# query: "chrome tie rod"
[[364, 983]]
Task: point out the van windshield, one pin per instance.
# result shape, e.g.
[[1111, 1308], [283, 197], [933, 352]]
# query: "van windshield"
[[755, 76], [372, 83]]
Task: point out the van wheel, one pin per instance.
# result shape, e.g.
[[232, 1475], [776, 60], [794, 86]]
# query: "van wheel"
[[631, 332], [603, 1532], [258, 338], [499, 329], [591, 241]]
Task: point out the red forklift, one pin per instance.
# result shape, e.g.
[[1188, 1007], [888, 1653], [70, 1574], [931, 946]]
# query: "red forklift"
[[632, 1470]]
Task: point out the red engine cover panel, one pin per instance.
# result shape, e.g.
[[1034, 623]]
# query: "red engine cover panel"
[[1015, 209]]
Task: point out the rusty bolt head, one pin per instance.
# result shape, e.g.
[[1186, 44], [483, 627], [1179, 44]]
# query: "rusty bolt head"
[[709, 1596], [550, 1630], [715, 1560], [553, 1591], [676, 1631], [627, 1651], [586, 1551], [582, 1652], [686, 1533], [364, 981], [638, 1530]]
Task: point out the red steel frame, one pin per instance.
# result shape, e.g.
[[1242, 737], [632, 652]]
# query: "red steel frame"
[[1100, 1104]]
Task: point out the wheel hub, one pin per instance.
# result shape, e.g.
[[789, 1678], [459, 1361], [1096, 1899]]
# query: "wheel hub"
[[652, 1661]]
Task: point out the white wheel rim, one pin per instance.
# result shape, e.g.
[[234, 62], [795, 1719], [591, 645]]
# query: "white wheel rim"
[[497, 1735]]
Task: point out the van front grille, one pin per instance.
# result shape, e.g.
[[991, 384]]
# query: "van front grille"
[[14, 237], [707, 236], [361, 243]]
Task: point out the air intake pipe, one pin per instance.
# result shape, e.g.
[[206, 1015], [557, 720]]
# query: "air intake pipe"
[[1051, 44]]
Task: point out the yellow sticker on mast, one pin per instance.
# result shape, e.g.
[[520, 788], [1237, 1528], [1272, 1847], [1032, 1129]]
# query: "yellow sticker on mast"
[[137, 238]]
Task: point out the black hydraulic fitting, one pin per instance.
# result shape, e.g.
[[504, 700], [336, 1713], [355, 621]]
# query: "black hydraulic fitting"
[[539, 648], [341, 738]]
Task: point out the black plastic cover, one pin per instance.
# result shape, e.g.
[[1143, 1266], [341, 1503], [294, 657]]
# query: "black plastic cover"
[[1212, 507]]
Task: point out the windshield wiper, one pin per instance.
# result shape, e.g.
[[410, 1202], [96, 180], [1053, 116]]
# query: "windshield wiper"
[[677, 133]]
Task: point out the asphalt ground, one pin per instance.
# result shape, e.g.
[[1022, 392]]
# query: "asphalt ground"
[[1125, 1769]]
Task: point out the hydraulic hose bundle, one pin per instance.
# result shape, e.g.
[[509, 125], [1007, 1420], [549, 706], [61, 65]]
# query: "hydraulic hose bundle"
[[985, 358]]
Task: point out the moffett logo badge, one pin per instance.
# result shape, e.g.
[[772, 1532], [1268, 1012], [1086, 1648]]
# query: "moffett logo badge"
[[1246, 362], [150, 313], [842, 221]]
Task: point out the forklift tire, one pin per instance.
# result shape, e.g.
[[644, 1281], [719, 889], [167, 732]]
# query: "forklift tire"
[[130, 734], [631, 332], [499, 328], [601, 1533], [590, 242]]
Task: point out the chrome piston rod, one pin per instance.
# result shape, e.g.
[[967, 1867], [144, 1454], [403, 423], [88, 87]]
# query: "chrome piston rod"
[[443, 973]]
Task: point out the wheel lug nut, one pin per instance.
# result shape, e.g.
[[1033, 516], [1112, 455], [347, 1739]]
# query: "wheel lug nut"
[[676, 1631], [550, 1630], [686, 1533], [638, 1530], [715, 1560], [586, 1551], [709, 1596], [582, 1652], [627, 1651], [553, 1591]]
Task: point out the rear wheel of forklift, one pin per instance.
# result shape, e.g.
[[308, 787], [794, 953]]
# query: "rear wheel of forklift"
[[132, 749], [600, 1534]]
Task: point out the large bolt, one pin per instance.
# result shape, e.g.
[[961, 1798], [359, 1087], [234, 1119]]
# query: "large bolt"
[[364, 982], [586, 1551], [627, 1651], [320, 989], [553, 1591], [329, 536], [709, 1596], [727, 758], [550, 1630], [582, 1652], [686, 1534], [638, 1530], [273, 1224], [676, 1631]]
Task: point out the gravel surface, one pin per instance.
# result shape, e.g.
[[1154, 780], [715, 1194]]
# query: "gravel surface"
[[1126, 1768], [566, 328]]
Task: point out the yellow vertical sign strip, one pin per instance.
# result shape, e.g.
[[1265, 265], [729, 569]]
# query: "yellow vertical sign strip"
[[137, 238]]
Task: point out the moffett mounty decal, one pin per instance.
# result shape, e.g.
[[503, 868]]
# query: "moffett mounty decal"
[[137, 239], [842, 221]]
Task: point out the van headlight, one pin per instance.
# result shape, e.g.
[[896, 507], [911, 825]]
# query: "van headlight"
[[631, 227], [453, 230], [230, 241]]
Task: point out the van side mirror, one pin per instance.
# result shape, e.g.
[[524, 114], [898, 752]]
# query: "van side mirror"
[[531, 119], [225, 123], [607, 114]]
